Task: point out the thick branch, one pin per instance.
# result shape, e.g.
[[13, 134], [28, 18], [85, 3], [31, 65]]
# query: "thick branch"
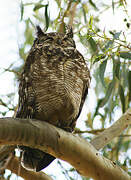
[[115, 130], [75, 150]]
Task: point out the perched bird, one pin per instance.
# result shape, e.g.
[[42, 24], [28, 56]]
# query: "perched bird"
[[53, 87]]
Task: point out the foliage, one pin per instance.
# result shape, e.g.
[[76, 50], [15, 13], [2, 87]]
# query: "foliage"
[[109, 57]]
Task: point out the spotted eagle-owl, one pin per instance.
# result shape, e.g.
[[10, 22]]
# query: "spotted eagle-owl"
[[53, 87]]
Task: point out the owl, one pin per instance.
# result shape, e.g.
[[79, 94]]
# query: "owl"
[[53, 87]]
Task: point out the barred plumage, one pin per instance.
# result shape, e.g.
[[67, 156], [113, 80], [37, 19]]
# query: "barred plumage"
[[53, 87]]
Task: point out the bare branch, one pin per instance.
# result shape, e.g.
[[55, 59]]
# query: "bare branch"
[[66, 146], [115, 130]]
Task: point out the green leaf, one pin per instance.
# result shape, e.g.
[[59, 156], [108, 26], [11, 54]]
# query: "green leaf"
[[102, 71], [28, 33], [97, 107], [21, 10], [91, 21], [122, 97], [83, 39], [113, 6], [33, 25], [93, 44], [93, 4], [129, 84], [38, 6], [117, 35], [108, 45], [46, 17], [108, 93], [116, 68], [84, 13], [98, 58], [125, 55]]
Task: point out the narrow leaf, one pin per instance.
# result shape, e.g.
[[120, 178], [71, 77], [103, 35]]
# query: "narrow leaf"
[[102, 71], [108, 93], [117, 35], [125, 55], [21, 10], [93, 44], [108, 44], [90, 21], [122, 97], [46, 17], [113, 6], [38, 6], [116, 68], [97, 107], [93, 4], [84, 12], [129, 84]]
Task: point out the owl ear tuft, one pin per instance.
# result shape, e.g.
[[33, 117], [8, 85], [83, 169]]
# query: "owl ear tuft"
[[69, 31], [39, 31]]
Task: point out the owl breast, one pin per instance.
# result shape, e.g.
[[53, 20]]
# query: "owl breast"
[[57, 85]]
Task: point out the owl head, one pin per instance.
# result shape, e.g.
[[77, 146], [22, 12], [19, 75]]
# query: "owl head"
[[56, 38]]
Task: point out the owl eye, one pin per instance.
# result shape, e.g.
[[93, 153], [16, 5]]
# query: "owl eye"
[[50, 38], [46, 40]]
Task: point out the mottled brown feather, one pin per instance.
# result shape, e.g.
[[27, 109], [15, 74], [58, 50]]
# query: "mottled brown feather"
[[53, 87]]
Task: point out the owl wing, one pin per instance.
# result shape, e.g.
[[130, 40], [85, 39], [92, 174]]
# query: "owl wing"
[[83, 77], [26, 104], [32, 159], [85, 92]]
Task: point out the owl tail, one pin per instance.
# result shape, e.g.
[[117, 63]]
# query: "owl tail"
[[34, 159], [43, 163]]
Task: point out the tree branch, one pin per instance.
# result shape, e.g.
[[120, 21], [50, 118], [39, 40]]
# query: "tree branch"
[[27, 175], [115, 130], [66, 146]]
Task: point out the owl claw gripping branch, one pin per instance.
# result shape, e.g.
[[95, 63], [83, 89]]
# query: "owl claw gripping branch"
[[53, 87]]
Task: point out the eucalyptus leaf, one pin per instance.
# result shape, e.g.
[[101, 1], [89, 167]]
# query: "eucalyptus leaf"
[[129, 84], [116, 35], [38, 6], [84, 13], [116, 68], [102, 71], [108, 93], [108, 45], [93, 44], [21, 10], [125, 55], [46, 17], [122, 97], [93, 4]]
